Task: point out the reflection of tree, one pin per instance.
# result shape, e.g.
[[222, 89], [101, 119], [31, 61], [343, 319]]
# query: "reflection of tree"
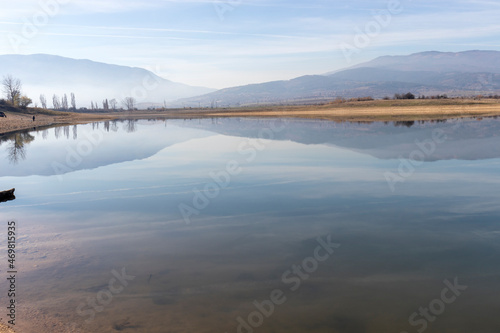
[[57, 132], [106, 126], [404, 123], [17, 147], [130, 127], [66, 131], [114, 126]]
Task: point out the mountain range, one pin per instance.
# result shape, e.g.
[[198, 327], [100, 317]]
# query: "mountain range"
[[466, 73]]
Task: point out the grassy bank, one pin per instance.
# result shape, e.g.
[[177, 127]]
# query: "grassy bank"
[[378, 110]]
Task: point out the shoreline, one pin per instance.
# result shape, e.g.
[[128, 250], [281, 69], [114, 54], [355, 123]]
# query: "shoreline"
[[16, 122], [346, 112]]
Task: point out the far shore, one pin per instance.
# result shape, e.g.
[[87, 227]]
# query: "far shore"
[[379, 110]]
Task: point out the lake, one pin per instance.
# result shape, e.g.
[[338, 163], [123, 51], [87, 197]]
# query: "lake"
[[254, 225]]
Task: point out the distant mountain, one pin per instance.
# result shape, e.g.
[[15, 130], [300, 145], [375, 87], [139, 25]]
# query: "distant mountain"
[[91, 81], [428, 73], [441, 62]]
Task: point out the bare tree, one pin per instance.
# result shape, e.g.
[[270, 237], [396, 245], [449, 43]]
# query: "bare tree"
[[129, 103], [64, 102], [12, 89], [105, 104], [113, 103], [43, 100], [73, 101], [55, 102]]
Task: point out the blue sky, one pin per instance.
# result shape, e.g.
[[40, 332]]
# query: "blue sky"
[[234, 42]]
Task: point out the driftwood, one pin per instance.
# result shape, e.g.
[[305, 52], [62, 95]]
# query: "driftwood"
[[7, 195]]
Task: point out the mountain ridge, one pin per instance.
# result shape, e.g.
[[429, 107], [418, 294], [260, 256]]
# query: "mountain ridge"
[[467, 73], [482, 60], [91, 80]]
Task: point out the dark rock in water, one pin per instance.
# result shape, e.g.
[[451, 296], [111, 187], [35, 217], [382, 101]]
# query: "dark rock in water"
[[7, 195], [124, 324]]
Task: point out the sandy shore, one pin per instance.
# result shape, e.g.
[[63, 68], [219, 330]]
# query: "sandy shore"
[[5, 329]]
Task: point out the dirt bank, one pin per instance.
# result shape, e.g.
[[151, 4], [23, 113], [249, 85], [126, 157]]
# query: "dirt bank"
[[18, 121]]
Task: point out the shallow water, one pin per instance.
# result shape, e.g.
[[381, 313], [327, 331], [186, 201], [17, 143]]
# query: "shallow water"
[[207, 222]]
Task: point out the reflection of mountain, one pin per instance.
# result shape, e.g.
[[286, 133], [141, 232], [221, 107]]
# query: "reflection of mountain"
[[465, 140], [62, 150], [66, 149]]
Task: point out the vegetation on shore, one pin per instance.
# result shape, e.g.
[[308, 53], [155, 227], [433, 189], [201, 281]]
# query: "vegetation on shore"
[[351, 110], [7, 107]]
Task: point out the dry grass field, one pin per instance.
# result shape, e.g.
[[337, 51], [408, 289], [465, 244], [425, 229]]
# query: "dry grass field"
[[378, 110]]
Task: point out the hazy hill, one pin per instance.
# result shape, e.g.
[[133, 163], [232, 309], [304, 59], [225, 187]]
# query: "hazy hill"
[[468, 61], [428, 73], [91, 80]]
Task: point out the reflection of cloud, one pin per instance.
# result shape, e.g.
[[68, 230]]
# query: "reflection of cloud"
[[133, 193], [476, 207]]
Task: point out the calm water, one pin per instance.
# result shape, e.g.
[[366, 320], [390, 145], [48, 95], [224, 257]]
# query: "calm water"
[[248, 225]]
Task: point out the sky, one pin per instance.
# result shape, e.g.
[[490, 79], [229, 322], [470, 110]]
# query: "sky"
[[227, 43]]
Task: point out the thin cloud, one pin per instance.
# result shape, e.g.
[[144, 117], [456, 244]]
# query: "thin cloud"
[[187, 31], [257, 40]]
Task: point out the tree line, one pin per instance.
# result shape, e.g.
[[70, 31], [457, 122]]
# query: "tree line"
[[59, 103], [12, 89], [62, 104]]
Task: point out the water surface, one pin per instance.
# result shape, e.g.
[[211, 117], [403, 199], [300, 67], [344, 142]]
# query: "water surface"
[[214, 218]]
